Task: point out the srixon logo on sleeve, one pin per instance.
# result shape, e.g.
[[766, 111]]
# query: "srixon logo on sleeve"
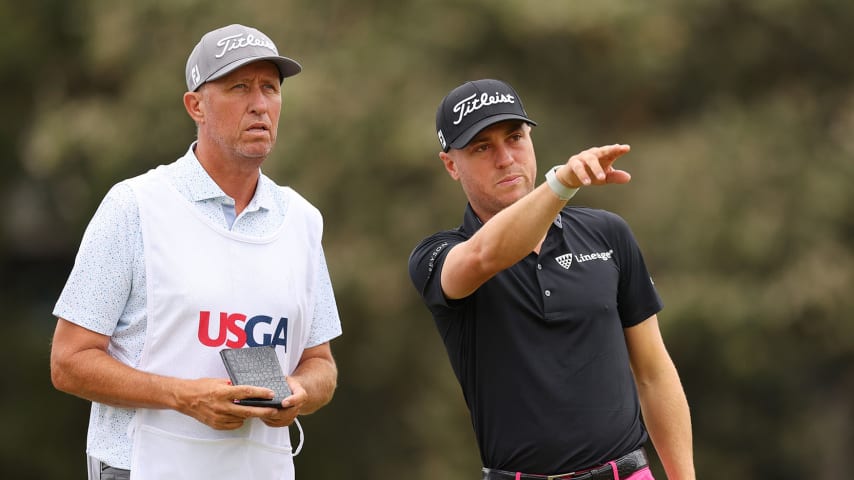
[[234, 330]]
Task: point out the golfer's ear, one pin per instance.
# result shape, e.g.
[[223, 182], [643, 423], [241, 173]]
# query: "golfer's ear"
[[450, 165], [194, 106]]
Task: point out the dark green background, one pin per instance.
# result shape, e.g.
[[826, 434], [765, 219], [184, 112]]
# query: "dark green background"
[[741, 121]]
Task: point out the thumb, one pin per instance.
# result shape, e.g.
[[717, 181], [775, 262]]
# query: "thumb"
[[618, 177]]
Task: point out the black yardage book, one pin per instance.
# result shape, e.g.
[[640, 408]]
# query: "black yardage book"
[[256, 366]]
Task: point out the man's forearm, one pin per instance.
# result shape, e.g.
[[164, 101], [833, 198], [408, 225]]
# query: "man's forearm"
[[319, 377], [518, 229], [96, 376], [668, 420]]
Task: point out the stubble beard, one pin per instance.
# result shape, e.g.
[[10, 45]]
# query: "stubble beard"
[[249, 152], [487, 205]]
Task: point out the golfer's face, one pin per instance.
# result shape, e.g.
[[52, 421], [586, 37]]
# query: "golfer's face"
[[243, 108], [496, 168]]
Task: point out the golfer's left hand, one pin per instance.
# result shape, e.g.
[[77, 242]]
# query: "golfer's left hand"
[[284, 416]]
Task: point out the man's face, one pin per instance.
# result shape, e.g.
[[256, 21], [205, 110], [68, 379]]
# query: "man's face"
[[496, 168], [242, 111]]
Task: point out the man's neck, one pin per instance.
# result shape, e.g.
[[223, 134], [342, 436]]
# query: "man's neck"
[[238, 178]]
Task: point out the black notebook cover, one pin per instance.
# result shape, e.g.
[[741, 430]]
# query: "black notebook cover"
[[257, 366]]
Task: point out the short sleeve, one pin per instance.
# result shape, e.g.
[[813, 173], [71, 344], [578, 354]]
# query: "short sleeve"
[[425, 266], [100, 282], [637, 298], [326, 323]]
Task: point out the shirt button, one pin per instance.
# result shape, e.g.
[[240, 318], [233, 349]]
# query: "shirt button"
[[539, 267], [548, 293]]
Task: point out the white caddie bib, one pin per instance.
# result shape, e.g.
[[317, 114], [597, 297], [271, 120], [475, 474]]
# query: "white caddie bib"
[[209, 289]]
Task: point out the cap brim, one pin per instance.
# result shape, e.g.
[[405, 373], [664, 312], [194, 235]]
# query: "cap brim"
[[287, 67], [464, 138]]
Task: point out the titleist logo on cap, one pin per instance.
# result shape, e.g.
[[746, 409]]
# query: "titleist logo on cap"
[[474, 103], [221, 51], [474, 106], [233, 42]]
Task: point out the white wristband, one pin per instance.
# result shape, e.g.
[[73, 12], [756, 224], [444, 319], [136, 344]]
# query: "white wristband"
[[562, 191]]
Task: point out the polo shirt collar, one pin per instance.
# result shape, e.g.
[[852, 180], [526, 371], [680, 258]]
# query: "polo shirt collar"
[[471, 222], [193, 179]]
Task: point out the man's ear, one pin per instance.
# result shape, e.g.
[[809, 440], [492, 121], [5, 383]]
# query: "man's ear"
[[193, 105], [450, 165]]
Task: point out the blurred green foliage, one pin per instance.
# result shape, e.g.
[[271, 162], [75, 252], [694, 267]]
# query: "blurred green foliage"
[[741, 121]]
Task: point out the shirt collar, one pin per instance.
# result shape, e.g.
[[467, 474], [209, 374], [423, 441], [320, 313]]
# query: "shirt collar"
[[471, 222], [192, 179]]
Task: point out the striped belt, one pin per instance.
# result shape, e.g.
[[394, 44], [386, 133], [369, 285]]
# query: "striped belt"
[[613, 470]]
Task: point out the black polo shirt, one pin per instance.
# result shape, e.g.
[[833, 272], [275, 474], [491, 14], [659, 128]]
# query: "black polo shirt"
[[539, 349]]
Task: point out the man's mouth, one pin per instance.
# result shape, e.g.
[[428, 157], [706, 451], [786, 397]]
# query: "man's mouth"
[[510, 180], [258, 127]]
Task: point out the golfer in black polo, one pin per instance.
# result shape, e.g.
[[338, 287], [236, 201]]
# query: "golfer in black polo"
[[547, 311]]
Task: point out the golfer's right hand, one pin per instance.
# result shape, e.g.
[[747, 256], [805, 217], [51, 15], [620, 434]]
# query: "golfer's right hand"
[[211, 401], [594, 166]]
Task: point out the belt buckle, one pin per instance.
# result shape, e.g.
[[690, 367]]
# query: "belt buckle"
[[561, 476]]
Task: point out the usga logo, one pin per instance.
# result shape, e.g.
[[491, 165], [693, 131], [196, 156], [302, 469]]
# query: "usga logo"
[[236, 330]]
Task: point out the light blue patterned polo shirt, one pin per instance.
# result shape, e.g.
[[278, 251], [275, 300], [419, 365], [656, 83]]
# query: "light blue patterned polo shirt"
[[105, 291]]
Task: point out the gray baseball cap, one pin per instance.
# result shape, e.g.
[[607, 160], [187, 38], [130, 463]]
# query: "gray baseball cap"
[[228, 48]]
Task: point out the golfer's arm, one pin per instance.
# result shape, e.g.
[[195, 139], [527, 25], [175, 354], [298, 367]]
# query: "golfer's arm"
[[502, 241], [318, 375], [81, 366], [662, 398]]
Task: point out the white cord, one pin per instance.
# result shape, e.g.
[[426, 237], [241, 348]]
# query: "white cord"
[[296, 451]]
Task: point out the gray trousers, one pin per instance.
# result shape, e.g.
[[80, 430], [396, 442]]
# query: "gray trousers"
[[100, 471]]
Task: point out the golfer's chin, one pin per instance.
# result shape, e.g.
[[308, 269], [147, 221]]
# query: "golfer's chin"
[[256, 150]]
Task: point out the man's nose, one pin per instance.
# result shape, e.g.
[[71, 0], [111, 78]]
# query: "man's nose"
[[503, 156], [257, 100]]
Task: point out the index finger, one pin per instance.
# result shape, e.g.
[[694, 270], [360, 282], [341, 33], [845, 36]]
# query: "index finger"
[[612, 151], [250, 391]]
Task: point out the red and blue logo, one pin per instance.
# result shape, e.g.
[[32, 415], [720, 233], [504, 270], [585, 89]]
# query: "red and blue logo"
[[237, 330]]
